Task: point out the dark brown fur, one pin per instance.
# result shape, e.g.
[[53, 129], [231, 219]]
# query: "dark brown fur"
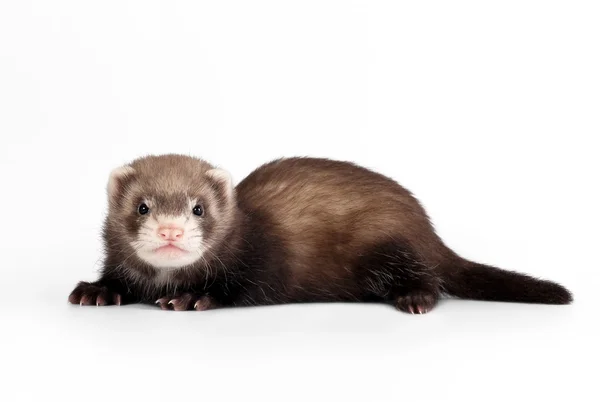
[[297, 230]]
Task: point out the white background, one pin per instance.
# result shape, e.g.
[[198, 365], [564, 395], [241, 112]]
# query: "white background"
[[487, 111]]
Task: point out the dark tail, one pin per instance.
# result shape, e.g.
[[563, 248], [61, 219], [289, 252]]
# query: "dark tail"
[[484, 282]]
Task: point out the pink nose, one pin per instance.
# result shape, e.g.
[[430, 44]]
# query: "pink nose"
[[170, 233]]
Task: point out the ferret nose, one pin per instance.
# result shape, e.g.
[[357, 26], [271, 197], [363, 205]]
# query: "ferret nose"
[[170, 233]]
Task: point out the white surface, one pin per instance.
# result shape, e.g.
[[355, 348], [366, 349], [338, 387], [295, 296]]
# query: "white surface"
[[487, 112]]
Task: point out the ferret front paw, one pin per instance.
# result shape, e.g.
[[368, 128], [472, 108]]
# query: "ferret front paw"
[[416, 302], [89, 294], [187, 301]]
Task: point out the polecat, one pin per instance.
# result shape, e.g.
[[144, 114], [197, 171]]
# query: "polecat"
[[180, 235]]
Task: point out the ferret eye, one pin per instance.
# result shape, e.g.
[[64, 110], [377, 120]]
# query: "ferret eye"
[[143, 209], [198, 211]]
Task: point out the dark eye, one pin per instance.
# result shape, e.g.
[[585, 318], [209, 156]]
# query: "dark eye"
[[198, 211], [143, 209]]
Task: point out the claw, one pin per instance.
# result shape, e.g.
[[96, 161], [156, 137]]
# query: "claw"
[[199, 305], [202, 304], [100, 301]]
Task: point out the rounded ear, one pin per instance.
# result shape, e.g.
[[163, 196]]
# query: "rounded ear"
[[223, 178], [117, 180]]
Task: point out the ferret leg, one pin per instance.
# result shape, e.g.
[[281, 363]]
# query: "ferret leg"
[[100, 293], [187, 301], [417, 302], [393, 272]]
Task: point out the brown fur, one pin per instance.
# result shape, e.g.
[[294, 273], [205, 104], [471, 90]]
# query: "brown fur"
[[327, 213], [295, 230]]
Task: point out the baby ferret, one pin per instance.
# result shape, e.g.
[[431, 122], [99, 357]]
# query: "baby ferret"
[[179, 234]]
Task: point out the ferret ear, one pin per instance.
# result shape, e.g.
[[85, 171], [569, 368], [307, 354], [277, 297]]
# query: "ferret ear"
[[223, 178], [118, 179]]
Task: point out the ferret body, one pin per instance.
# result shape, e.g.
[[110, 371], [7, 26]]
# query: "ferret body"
[[180, 235]]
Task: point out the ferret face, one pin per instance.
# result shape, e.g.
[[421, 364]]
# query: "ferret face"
[[169, 211], [167, 237]]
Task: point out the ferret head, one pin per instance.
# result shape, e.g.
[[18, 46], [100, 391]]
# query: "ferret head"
[[170, 211]]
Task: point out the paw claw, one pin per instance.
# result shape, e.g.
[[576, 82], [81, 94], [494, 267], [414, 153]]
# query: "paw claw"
[[186, 301], [200, 305], [417, 302], [100, 301], [88, 294]]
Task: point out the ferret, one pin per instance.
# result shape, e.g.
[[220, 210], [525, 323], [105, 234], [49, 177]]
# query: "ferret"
[[180, 235]]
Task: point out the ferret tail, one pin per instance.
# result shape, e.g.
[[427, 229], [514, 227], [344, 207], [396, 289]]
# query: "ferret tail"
[[470, 280]]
